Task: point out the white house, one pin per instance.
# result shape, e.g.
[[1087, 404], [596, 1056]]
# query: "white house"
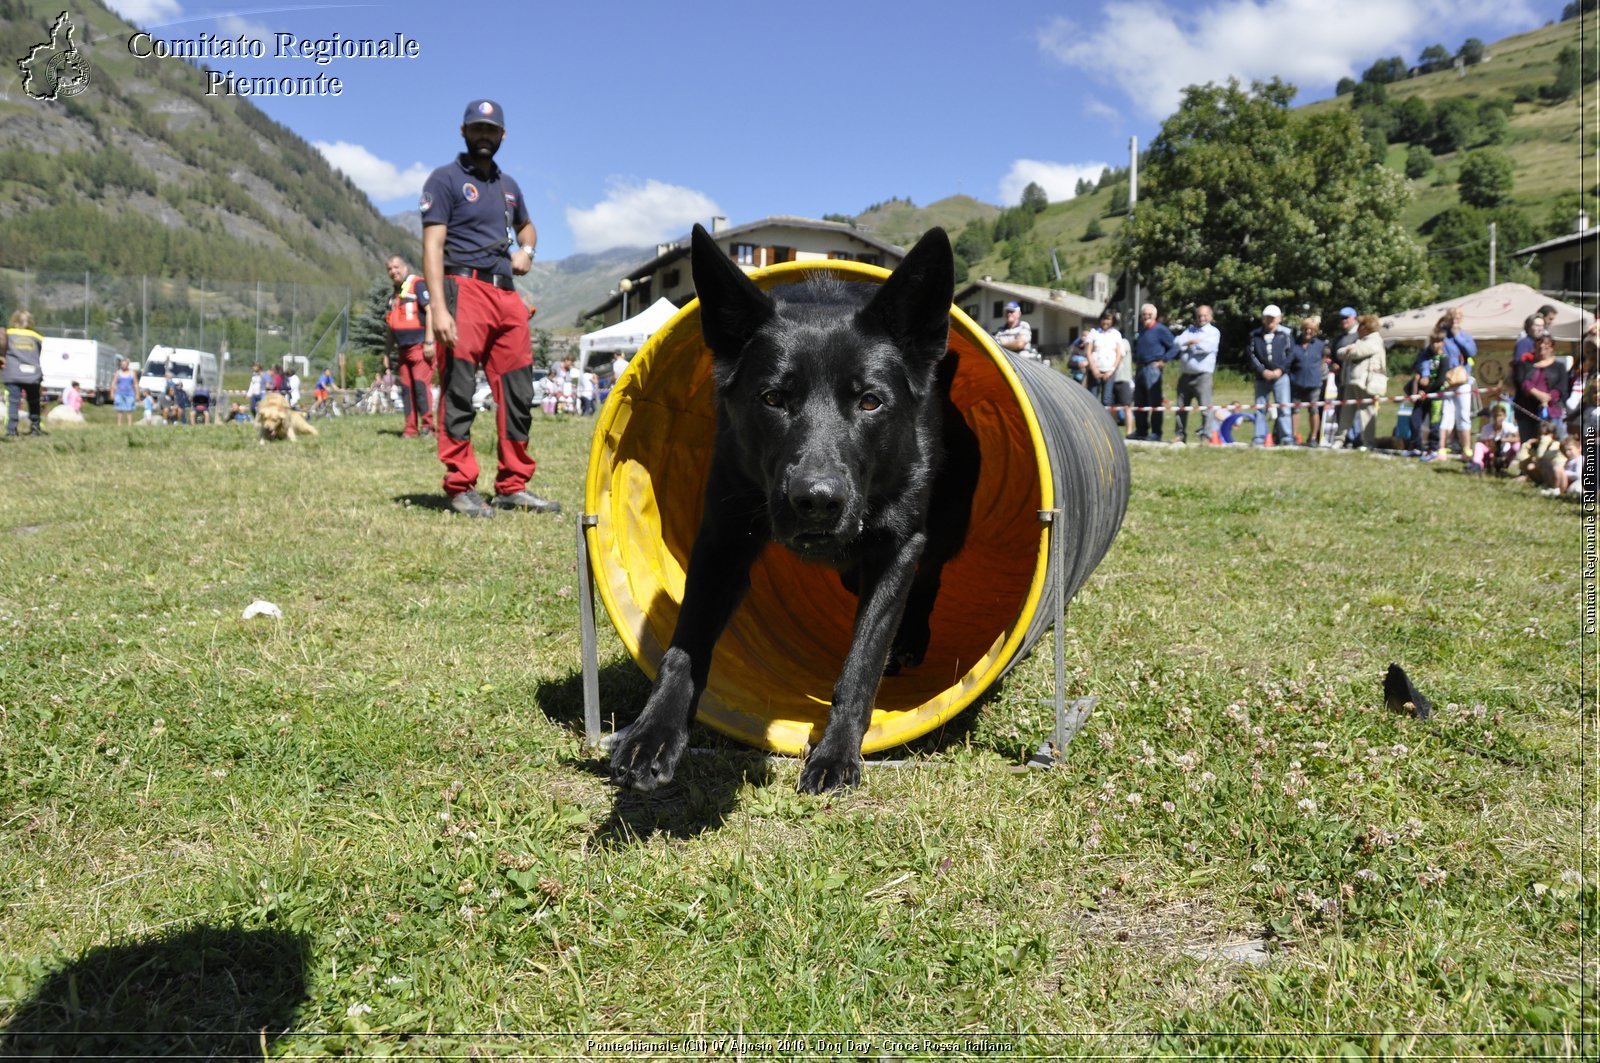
[[1568, 264], [753, 245]]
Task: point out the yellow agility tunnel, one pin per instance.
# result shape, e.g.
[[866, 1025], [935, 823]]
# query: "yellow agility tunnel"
[[1045, 444]]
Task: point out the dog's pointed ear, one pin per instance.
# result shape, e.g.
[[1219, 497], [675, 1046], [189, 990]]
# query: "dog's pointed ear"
[[731, 306], [913, 306]]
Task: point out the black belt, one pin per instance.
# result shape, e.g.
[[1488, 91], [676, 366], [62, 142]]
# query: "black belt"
[[499, 280]]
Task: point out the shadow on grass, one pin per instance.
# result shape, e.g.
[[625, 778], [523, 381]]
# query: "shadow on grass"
[[622, 687], [703, 791], [199, 992], [700, 796], [435, 501]]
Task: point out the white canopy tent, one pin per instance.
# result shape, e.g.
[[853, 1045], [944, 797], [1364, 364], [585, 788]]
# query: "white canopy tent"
[[1494, 313], [629, 335]]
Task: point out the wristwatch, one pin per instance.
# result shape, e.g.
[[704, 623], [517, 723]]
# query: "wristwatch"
[[528, 248]]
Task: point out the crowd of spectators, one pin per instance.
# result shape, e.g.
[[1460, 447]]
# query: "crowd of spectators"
[[1530, 422], [566, 389]]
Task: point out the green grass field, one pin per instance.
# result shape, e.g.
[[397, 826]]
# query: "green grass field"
[[372, 828]]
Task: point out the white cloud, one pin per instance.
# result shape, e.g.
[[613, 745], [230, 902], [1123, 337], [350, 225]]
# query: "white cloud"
[[1102, 110], [1058, 179], [1151, 50], [378, 178], [634, 214], [235, 26], [146, 12]]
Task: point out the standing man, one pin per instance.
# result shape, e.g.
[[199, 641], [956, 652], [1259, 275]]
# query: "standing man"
[[1348, 334], [1308, 373], [1016, 335], [20, 348], [1270, 358], [406, 342], [1151, 353], [1197, 361], [478, 320]]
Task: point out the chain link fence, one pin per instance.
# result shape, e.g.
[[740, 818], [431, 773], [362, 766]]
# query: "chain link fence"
[[243, 322]]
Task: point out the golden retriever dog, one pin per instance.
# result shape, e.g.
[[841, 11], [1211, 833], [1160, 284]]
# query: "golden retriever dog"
[[276, 419]]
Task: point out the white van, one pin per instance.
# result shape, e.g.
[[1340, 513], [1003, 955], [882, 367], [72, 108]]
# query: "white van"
[[184, 365], [91, 363]]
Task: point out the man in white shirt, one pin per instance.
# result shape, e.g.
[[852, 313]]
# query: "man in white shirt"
[[1197, 362]]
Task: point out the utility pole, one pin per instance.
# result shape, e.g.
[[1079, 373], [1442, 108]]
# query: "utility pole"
[[1491, 253], [1133, 200]]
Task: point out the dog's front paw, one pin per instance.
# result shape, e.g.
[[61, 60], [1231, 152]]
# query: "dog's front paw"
[[646, 754], [826, 770]]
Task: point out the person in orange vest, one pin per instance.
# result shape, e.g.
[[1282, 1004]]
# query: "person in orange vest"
[[408, 348], [20, 348]]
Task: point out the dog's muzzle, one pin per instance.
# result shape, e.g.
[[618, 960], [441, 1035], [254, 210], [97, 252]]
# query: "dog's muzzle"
[[819, 517]]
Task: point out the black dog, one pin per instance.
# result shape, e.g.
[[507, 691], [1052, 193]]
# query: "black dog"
[[836, 439]]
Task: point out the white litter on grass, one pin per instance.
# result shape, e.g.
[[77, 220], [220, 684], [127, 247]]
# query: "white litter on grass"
[[262, 608]]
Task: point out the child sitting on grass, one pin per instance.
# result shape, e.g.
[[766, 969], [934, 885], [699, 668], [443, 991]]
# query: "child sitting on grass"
[[1536, 455], [1497, 443], [1567, 474]]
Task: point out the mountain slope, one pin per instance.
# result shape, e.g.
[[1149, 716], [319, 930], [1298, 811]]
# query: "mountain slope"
[[144, 174]]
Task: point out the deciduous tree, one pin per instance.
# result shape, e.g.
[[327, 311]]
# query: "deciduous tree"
[[1486, 178], [1458, 248], [1245, 202]]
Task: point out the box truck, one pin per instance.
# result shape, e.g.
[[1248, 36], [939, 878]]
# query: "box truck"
[[91, 363]]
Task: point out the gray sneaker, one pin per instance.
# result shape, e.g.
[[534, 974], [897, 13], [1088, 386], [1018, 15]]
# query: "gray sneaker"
[[471, 504], [526, 500]]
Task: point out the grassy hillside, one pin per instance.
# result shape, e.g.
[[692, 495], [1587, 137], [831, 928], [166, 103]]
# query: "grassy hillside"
[[1062, 228], [1546, 141], [144, 174], [901, 222]]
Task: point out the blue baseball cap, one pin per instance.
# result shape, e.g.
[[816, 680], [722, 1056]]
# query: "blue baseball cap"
[[1013, 306], [486, 111], [1348, 311]]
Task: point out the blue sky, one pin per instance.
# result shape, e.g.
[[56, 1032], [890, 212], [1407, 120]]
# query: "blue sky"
[[629, 121]]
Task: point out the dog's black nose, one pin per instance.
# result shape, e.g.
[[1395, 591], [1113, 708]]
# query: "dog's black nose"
[[818, 502]]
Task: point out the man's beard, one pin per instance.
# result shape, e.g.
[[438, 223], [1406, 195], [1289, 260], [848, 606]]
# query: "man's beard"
[[484, 150]]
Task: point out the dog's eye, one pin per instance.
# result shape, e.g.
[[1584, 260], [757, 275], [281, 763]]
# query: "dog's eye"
[[870, 402], [772, 397]]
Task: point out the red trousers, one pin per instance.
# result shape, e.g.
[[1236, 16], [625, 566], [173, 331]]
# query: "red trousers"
[[416, 383], [492, 335]]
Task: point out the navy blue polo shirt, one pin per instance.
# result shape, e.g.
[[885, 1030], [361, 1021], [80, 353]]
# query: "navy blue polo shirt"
[[480, 214]]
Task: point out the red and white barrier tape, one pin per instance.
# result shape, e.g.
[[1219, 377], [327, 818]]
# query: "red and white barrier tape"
[[1240, 407]]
